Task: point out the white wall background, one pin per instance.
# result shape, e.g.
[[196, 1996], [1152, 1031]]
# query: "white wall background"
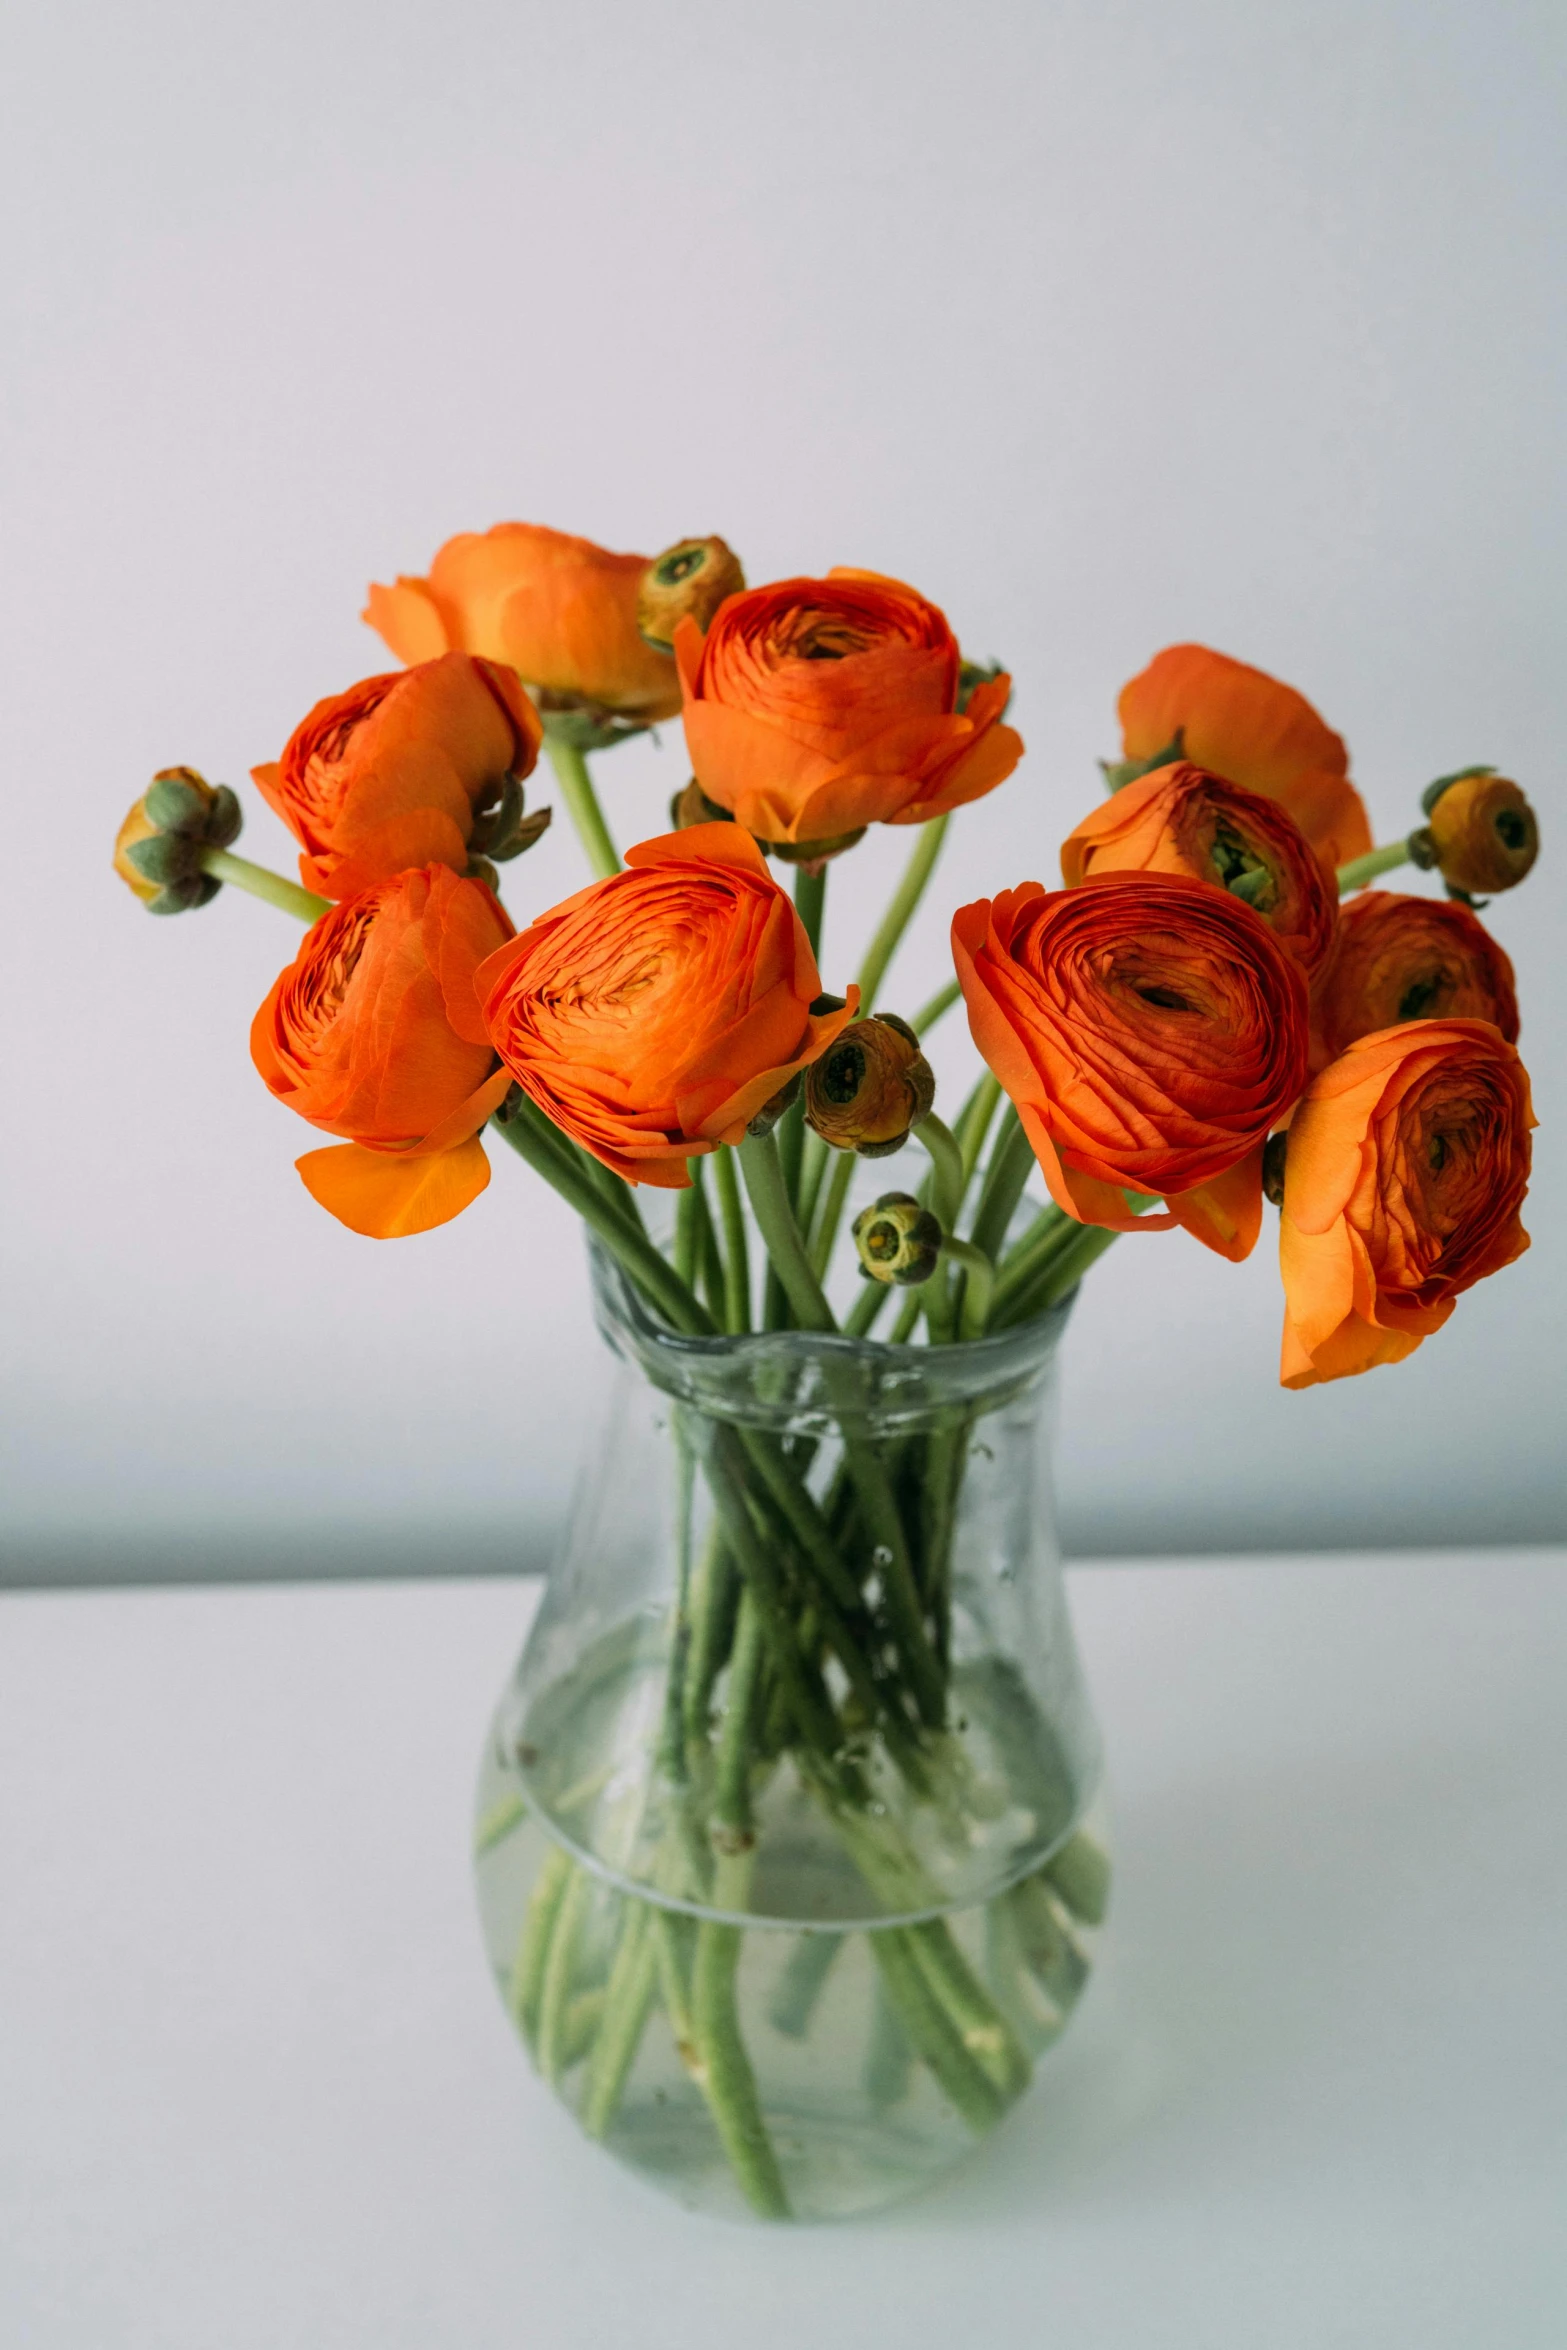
[[1108, 324]]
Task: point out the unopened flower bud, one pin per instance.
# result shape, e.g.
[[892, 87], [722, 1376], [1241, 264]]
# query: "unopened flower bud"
[[898, 1240], [158, 851], [869, 1088], [813, 854], [771, 1111], [689, 580], [972, 675], [1274, 1152], [692, 806], [1483, 832], [503, 832]]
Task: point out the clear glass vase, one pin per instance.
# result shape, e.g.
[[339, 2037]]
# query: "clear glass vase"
[[788, 1857]]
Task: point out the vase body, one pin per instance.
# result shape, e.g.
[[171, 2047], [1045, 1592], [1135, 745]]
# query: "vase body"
[[788, 1847]]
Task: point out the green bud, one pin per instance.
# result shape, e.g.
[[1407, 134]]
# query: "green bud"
[[503, 832], [770, 1112], [183, 897], [1433, 791], [165, 857], [175, 805], [972, 675], [225, 819], [692, 806], [1122, 771], [897, 1240], [1274, 1152]]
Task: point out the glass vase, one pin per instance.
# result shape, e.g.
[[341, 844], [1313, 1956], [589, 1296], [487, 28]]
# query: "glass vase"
[[789, 1862]]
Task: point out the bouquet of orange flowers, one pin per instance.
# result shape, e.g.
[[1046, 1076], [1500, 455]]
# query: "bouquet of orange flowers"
[[1211, 1011]]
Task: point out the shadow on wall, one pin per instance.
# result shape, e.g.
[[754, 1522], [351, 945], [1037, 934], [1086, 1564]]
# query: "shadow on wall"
[[104, 1558], [271, 1554]]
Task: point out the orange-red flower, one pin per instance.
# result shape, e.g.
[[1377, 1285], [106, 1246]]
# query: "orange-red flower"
[[395, 772], [1408, 1163], [655, 1013], [817, 706], [373, 1032], [1247, 726], [1150, 1030], [1404, 958], [1182, 819], [561, 611]]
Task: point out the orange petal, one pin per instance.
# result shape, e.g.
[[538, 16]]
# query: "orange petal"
[[406, 616], [388, 1196], [1225, 1213], [714, 844]]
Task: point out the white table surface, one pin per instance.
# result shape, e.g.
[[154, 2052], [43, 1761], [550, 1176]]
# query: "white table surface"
[[256, 2092]]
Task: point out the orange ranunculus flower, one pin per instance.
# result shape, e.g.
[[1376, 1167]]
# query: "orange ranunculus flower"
[[1182, 819], [817, 706], [1408, 1162], [373, 1032], [395, 772], [1245, 725], [1404, 958], [560, 610], [1150, 1030], [655, 1013]]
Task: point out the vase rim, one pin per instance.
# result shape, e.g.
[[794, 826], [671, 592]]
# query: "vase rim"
[[772, 1375]]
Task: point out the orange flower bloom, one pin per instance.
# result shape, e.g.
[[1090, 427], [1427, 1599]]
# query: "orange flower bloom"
[[1407, 958], [655, 1013], [1182, 819], [561, 611], [1245, 725], [373, 1032], [394, 773], [1408, 1163], [817, 706], [1150, 1030]]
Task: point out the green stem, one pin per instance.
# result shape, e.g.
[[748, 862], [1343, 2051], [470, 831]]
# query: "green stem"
[[1011, 1159], [555, 1999], [900, 912], [714, 1600], [686, 1232], [810, 902], [261, 882], [826, 1233], [1061, 1272], [531, 1136], [526, 1987], [946, 1166], [732, 1791], [813, 1168], [1050, 1231], [819, 1729], [737, 1259], [862, 1316], [931, 2031], [711, 1277], [974, 1122], [764, 1182], [800, 1985], [979, 1278], [981, 2026], [1360, 870], [628, 1995], [571, 772], [727, 2078], [939, 1005]]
